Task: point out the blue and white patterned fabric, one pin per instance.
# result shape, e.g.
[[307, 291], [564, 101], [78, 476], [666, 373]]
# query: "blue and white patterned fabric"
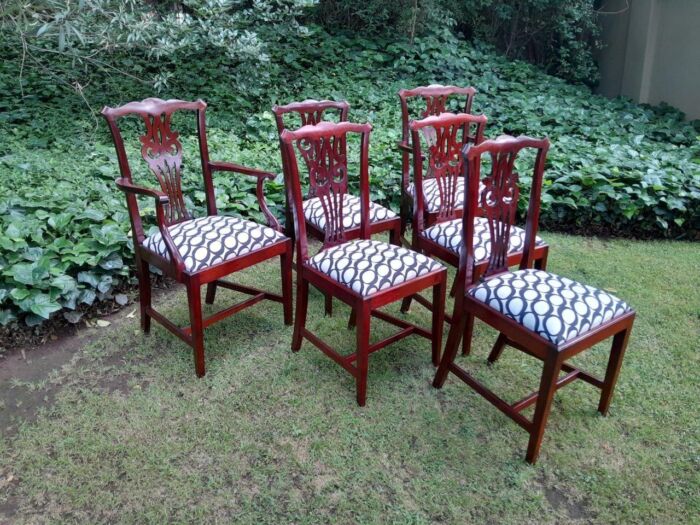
[[448, 234], [207, 241], [556, 308], [313, 212], [431, 194], [367, 266]]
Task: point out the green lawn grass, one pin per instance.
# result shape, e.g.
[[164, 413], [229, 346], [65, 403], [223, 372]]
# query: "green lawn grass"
[[274, 437]]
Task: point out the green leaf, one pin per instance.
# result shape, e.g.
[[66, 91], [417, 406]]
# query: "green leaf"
[[23, 273], [113, 262], [64, 283], [43, 306], [88, 296], [6, 317], [89, 278], [19, 294], [105, 284]]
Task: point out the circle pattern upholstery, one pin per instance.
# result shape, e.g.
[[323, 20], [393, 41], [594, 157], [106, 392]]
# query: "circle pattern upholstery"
[[367, 266], [448, 234], [207, 241], [556, 308], [313, 212], [431, 194]]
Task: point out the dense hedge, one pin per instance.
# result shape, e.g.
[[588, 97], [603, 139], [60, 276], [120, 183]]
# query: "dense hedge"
[[560, 37], [614, 167]]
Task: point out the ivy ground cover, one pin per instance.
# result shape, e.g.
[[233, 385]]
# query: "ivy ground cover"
[[614, 167]]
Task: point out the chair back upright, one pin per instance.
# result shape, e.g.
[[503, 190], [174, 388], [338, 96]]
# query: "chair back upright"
[[495, 197], [436, 98], [443, 138], [308, 112], [161, 149], [323, 148]]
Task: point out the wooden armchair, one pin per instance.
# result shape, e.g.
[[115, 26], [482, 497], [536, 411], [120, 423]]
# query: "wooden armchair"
[[193, 251], [549, 317], [363, 273], [435, 100]]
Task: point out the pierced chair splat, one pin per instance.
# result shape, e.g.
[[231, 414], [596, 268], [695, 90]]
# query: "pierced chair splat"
[[193, 251], [311, 112], [546, 316], [437, 143], [363, 273], [417, 104]]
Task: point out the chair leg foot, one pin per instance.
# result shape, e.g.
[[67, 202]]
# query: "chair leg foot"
[[195, 303], [451, 347], [548, 385], [211, 293], [467, 334], [362, 363], [328, 306], [300, 317], [497, 349], [286, 270], [144, 295], [617, 352], [438, 320], [352, 320]]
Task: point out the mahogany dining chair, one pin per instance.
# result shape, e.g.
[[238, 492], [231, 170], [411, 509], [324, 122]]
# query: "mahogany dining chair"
[[364, 273], [546, 316], [195, 251]]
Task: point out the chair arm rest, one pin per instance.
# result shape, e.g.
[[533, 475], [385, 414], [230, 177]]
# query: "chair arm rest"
[[237, 168], [402, 146], [262, 176], [127, 187], [161, 199]]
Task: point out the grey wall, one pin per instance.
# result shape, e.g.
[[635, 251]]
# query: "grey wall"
[[652, 52]]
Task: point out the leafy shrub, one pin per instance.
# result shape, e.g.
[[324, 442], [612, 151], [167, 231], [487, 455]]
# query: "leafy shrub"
[[614, 167], [91, 34], [560, 37], [396, 18]]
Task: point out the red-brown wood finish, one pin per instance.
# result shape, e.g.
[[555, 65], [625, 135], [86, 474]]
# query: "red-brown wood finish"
[[433, 100], [311, 112], [499, 200], [324, 146], [162, 151], [444, 137]]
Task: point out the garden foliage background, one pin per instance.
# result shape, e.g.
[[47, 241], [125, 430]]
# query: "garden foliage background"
[[615, 168]]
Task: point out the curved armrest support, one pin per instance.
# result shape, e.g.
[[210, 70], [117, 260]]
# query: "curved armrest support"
[[406, 150], [403, 146], [128, 187], [262, 176], [161, 199]]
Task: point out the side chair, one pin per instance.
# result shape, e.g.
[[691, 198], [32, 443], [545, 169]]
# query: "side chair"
[[195, 251], [416, 104], [437, 144], [363, 273], [546, 316], [311, 112]]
